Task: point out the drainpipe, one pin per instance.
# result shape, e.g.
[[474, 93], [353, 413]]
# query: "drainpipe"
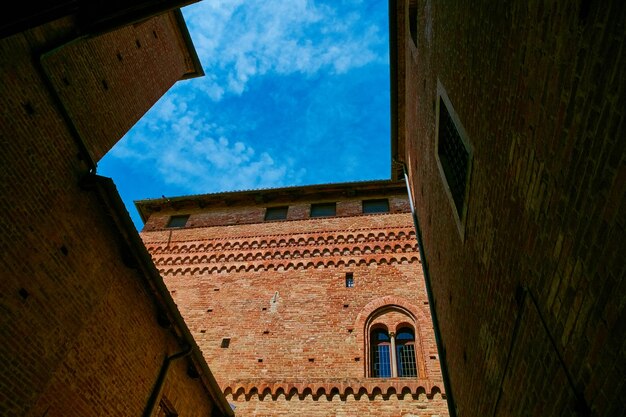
[[431, 299], [156, 390]]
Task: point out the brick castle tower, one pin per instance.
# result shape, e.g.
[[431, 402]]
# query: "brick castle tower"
[[304, 300]]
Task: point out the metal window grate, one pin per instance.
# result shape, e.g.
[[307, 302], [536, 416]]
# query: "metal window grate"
[[381, 366], [454, 157], [406, 361]]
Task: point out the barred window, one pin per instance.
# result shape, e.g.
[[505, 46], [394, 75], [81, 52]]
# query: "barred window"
[[393, 355], [381, 359], [454, 157], [405, 352], [454, 154]]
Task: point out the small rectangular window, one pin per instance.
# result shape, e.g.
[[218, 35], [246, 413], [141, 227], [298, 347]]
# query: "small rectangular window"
[[349, 280], [454, 156], [178, 221], [276, 213], [376, 206], [323, 209], [225, 343]]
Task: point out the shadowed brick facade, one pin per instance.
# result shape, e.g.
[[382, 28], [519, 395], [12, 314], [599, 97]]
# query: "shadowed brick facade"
[[295, 299], [521, 220], [528, 281], [87, 327]]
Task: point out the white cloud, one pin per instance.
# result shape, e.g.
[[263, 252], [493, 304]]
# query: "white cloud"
[[186, 141], [239, 40], [184, 149]]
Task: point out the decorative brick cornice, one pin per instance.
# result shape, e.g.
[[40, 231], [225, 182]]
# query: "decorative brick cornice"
[[335, 237], [288, 253], [283, 252], [329, 262], [359, 388]]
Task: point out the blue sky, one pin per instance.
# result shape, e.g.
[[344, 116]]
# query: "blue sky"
[[295, 93]]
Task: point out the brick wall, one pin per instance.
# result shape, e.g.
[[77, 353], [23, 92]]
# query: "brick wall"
[[277, 290], [97, 78], [227, 214], [350, 405], [79, 329], [530, 301]]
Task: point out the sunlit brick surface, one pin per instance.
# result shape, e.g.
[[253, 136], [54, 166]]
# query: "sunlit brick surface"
[[277, 290]]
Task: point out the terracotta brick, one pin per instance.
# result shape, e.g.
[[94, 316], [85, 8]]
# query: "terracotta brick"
[[277, 290], [524, 296], [79, 326]]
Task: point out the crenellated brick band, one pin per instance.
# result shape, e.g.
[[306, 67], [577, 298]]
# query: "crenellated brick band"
[[331, 388], [335, 237], [284, 266]]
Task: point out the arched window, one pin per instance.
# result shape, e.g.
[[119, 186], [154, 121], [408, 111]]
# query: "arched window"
[[391, 342], [381, 353], [405, 353]]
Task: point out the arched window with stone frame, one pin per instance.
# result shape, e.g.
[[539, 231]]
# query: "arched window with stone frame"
[[392, 347]]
